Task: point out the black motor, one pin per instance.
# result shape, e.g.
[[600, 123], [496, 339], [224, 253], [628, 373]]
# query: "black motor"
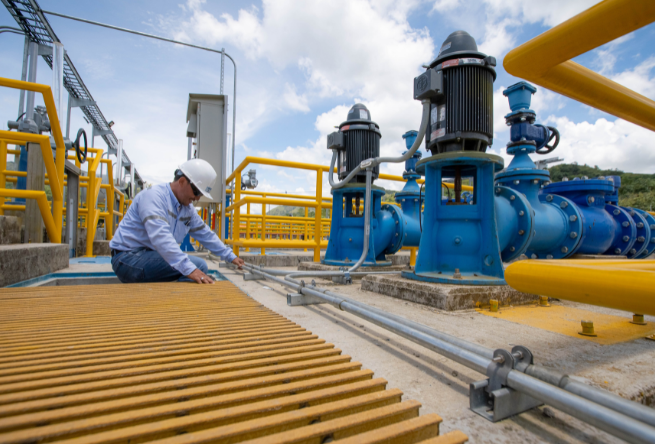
[[459, 84], [358, 139]]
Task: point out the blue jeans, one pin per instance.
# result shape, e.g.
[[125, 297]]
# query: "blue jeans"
[[144, 265]]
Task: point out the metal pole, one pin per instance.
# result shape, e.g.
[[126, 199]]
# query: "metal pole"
[[222, 68], [119, 162], [143, 34], [189, 152], [31, 77], [23, 75], [68, 118], [58, 78]]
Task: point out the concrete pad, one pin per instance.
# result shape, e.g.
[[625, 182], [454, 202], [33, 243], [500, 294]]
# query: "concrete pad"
[[19, 262], [10, 229], [610, 329], [444, 296], [277, 260], [442, 385], [315, 266]]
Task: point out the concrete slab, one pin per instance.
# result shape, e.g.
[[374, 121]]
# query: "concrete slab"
[[442, 385], [444, 296], [19, 262], [101, 248], [315, 266], [10, 229]]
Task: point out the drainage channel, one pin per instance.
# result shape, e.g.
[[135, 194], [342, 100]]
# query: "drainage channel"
[[184, 363], [514, 383]]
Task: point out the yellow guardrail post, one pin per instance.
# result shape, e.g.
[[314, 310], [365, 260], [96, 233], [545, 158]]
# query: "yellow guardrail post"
[[248, 223], [318, 232], [546, 59], [263, 223], [236, 226], [3, 167]]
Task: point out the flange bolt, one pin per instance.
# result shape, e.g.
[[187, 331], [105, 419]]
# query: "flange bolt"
[[616, 212], [626, 238], [493, 305], [457, 274], [573, 218], [573, 234], [641, 239], [587, 328], [625, 224], [638, 319], [543, 301], [549, 198], [564, 204], [564, 250]]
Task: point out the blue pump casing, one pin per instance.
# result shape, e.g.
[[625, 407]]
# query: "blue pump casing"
[[459, 243], [347, 229]]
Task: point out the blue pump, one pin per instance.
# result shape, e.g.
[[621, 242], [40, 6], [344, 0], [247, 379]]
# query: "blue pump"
[[347, 229]]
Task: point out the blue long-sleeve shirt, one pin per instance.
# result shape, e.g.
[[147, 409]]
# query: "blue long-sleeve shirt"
[[156, 220]]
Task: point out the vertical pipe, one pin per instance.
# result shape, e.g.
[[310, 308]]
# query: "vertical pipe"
[[58, 78], [68, 118], [111, 198], [306, 223], [188, 154], [222, 69], [317, 215], [23, 76], [263, 232], [31, 77], [236, 225], [132, 181], [248, 223], [3, 167], [119, 164]]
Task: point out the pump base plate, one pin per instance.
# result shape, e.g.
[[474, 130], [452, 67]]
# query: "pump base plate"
[[448, 278]]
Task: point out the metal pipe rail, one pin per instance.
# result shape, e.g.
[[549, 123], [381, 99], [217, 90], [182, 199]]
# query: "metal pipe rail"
[[546, 59], [620, 417]]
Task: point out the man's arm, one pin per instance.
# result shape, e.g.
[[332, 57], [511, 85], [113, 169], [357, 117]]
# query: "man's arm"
[[152, 211], [201, 232]]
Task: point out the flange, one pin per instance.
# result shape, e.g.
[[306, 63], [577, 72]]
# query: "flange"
[[620, 246], [399, 235], [575, 233], [525, 217]]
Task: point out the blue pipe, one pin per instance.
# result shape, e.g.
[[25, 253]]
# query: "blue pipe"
[[410, 198]]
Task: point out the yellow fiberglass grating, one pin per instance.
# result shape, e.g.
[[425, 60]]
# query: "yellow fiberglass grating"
[[183, 363]]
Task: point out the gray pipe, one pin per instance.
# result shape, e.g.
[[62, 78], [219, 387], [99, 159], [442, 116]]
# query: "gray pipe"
[[608, 400], [367, 220], [601, 417]]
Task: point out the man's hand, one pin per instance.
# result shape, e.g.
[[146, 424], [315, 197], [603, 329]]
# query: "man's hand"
[[200, 277], [239, 262]]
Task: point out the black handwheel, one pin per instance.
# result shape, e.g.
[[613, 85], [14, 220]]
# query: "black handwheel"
[[76, 145], [554, 134]]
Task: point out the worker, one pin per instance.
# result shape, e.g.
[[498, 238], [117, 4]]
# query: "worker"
[[145, 246]]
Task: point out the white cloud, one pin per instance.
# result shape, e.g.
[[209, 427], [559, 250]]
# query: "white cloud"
[[293, 100], [639, 79], [617, 144]]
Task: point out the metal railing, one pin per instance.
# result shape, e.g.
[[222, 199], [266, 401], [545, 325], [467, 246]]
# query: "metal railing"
[[55, 177], [263, 231]]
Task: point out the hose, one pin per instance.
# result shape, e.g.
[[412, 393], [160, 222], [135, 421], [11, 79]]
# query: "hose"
[[76, 145]]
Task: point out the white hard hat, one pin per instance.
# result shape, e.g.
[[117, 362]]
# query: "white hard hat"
[[201, 174]]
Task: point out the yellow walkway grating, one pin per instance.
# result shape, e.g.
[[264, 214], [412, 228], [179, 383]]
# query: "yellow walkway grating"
[[181, 363]]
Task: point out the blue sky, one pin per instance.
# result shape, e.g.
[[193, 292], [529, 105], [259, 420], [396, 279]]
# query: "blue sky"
[[302, 64]]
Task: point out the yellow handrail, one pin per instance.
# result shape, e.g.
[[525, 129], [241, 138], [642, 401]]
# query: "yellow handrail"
[[546, 59]]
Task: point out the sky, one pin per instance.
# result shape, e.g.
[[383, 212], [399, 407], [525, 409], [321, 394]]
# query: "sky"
[[303, 64]]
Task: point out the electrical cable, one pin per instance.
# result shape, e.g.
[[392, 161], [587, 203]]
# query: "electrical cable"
[[420, 205]]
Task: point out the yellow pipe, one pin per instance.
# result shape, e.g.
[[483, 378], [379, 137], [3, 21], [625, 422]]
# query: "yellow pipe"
[[14, 173], [546, 59], [54, 232], [285, 202], [13, 207], [605, 286], [14, 152], [56, 171], [3, 168]]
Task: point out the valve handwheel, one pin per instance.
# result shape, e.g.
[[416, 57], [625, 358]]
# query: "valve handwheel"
[[76, 145], [554, 134]]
